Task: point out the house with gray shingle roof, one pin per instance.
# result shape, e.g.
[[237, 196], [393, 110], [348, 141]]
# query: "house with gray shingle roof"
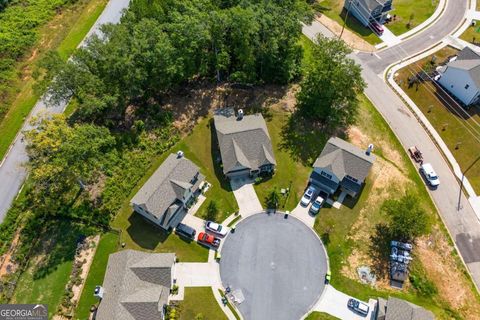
[[244, 143], [398, 309], [368, 11], [164, 198], [461, 76], [136, 286], [341, 165]]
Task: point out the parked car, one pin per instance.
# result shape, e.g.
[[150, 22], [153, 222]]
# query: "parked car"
[[186, 231], [307, 196], [316, 205], [358, 306], [376, 27], [427, 170], [216, 228], [208, 239]]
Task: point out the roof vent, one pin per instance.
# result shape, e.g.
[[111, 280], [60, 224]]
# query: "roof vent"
[[240, 114], [369, 149], [180, 154]]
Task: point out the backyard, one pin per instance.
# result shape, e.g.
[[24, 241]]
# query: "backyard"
[[450, 120], [409, 14]]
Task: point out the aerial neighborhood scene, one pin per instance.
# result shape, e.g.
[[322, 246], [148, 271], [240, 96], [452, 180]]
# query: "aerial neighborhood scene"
[[239, 159]]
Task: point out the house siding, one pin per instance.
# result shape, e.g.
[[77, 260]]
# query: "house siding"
[[455, 81]]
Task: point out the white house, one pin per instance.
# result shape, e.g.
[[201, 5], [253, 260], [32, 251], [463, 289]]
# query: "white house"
[[461, 77]]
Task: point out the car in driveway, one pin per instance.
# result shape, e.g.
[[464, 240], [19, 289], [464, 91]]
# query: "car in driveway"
[[316, 205], [358, 307], [185, 231], [216, 228], [376, 27], [430, 175], [208, 239], [308, 196]]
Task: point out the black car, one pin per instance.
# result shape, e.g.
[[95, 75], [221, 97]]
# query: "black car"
[[358, 307], [186, 231]]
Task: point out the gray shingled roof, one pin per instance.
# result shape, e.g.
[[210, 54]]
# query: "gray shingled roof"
[[343, 158], [372, 4], [468, 54], [162, 193], [398, 309], [136, 285], [243, 143], [472, 66]]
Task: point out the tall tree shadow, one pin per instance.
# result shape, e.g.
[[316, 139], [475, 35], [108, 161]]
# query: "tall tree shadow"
[[217, 160], [380, 249]]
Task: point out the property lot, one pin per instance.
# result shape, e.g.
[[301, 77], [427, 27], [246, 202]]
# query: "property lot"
[[452, 122], [279, 265]]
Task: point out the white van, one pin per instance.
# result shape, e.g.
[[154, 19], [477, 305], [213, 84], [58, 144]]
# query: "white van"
[[427, 170]]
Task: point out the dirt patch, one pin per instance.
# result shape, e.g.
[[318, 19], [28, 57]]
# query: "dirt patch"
[[350, 38], [435, 254], [7, 265]]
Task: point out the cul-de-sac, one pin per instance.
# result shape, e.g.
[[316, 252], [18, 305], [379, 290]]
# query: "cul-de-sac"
[[239, 159]]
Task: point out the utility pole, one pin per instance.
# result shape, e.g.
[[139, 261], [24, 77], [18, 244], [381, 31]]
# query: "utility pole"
[[346, 17]]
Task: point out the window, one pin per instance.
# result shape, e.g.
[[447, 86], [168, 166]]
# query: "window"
[[351, 178], [467, 86], [324, 174]]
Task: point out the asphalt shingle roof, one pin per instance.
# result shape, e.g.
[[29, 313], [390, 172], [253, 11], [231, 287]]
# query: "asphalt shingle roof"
[[162, 193], [343, 158], [243, 143], [136, 285], [398, 309], [468, 60]]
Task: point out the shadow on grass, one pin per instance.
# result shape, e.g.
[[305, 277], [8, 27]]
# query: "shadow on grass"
[[302, 139], [215, 153], [380, 249], [144, 233], [355, 25]]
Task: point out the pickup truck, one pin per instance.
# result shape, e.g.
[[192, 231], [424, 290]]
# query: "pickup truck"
[[208, 239]]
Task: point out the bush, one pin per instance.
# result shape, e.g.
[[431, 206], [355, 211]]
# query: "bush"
[[212, 211], [424, 286]]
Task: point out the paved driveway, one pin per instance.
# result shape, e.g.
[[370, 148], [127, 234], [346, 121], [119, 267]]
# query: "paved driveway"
[[334, 302], [279, 265], [246, 197]]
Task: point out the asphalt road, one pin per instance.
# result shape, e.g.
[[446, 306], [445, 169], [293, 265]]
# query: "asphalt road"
[[278, 264], [12, 169], [451, 18]]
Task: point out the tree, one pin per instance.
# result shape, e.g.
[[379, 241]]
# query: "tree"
[[212, 211], [64, 160], [330, 88], [407, 218], [272, 199]]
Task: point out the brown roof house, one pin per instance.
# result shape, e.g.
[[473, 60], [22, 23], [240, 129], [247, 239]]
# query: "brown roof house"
[[341, 165], [398, 309], [136, 286], [164, 198], [244, 142]]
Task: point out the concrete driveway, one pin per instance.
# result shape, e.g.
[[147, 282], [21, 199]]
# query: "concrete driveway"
[[246, 197], [334, 303], [278, 264]]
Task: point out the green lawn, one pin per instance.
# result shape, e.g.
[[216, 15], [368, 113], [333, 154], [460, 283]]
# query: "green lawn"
[[320, 316], [403, 9], [289, 172], [107, 245], [472, 34], [200, 301], [64, 37], [430, 99]]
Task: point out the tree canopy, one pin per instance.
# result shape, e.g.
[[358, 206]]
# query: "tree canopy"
[[329, 90], [162, 44]]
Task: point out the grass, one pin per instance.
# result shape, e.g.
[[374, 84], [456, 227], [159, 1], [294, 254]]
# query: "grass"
[[403, 9], [108, 244], [320, 316], [289, 173], [472, 34], [200, 300], [234, 221], [64, 33], [448, 118]]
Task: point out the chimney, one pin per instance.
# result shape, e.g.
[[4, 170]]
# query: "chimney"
[[240, 114], [180, 154], [369, 149]]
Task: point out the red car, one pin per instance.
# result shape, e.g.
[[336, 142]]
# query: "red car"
[[377, 27], [208, 239]]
